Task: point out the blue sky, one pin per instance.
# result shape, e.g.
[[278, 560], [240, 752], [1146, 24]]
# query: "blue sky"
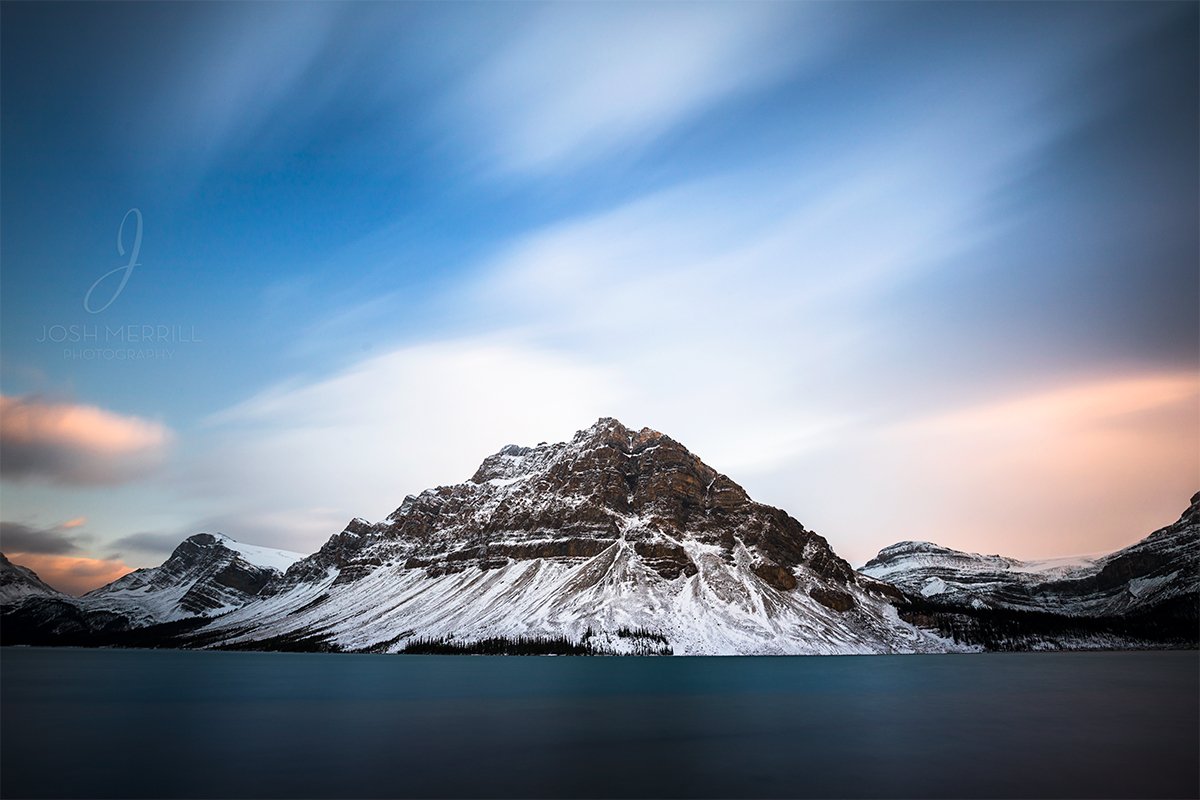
[[906, 270]]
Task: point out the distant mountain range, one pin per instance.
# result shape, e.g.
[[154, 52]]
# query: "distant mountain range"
[[618, 541]]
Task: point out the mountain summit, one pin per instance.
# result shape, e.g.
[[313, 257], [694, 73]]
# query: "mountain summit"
[[615, 531], [619, 541]]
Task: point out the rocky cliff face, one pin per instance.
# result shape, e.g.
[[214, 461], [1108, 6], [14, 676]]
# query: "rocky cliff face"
[[18, 583], [207, 574], [622, 541], [615, 530], [1163, 567]]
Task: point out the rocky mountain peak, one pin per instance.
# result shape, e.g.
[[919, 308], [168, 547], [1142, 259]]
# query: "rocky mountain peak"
[[610, 432], [609, 487], [614, 530]]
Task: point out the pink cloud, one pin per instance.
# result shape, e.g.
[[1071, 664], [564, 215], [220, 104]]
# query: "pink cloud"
[[1087, 467], [76, 444]]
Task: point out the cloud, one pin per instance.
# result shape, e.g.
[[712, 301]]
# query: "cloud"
[[749, 315], [741, 314], [148, 542], [1081, 466], [204, 104], [386, 427], [18, 538], [579, 82], [72, 574], [77, 522], [76, 444], [1089, 465], [692, 298]]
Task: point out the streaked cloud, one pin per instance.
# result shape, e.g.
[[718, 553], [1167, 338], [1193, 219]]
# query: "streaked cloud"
[[808, 240], [1081, 466], [578, 82], [16, 537], [148, 542], [76, 444], [237, 73], [389, 426]]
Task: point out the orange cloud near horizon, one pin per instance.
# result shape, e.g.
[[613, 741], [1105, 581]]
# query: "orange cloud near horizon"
[[1086, 467], [74, 575]]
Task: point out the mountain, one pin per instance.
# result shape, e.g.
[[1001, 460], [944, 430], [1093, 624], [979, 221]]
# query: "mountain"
[[620, 541], [621, 538], [1149, 588], [207, 574], [18, 583]]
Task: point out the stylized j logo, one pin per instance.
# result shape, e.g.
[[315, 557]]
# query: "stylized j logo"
[[127, 269]]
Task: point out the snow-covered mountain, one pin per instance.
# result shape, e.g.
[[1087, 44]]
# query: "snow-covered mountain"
[[616, 531], [18, 583], [1162, 567], [207, 574], [623, 541]]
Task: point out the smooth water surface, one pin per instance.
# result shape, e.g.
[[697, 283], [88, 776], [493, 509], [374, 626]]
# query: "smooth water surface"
[[145, 723]]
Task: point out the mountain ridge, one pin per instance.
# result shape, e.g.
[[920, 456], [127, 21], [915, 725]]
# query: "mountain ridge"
[[614, 529], [1162, 565], [621, 539]]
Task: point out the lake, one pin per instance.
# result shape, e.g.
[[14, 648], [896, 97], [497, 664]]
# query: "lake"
[[147, 723]]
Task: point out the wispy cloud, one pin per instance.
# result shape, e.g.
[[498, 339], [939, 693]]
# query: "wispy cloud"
[[76, 444], [811, 185], [391, 425], [238, 71], [577, 82], [16, 537], [1079, 466], [148, 543]]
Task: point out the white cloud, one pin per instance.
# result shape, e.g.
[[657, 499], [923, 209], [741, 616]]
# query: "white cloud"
[[734, 314], [293, 464], [739, 315], [581, 81]]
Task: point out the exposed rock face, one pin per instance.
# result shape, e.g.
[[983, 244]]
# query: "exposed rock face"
[[18, 583], [575, 500], [624, 540], [615, 528], [1163, 567], [206, 574]]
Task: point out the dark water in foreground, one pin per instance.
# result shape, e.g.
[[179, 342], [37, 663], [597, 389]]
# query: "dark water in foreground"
[[109, 723]]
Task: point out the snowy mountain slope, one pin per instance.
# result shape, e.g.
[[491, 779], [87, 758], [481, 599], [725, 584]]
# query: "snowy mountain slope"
[[628, 541], [18, 583], [207, 574], [613, 530], [1162, 567]]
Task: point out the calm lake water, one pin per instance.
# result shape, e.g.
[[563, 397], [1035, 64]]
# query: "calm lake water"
[[113, 723]]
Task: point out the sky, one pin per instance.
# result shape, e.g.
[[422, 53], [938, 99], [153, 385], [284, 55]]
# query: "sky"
[[906, 270]]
